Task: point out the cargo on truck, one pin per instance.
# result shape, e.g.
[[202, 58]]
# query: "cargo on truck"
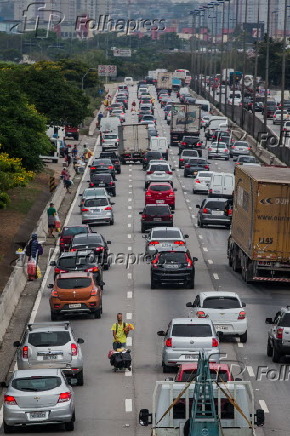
[[133, 142], [185, 120], [259, 242], [164, 81]]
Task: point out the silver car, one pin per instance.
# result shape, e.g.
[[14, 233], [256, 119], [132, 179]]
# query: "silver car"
[[159, 172], [44, 345], [218, 150], [239, 148], [241, 160], [38, 397], [92, 193], [109, 140], [185, 338], [163, 237], [97, 210]]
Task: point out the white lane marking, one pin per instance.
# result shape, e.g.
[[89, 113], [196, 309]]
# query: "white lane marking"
[[205, 248], [129, 199], [239, 343], [129, 341], [130, 276], [130, 192], [129, 225], [128, 373], [264, 406], [200, 236], [250, 371], [210, 262], [129, 207], [189, 207], [130, 169], [193, 216], [129, 248], [183, 186], [187, 200], [216, 276], [129, 315], [130, 186], [129, 236], [129, 294], [129, 216]]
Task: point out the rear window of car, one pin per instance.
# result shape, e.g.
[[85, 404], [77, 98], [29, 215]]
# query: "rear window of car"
[[190, 330], [49, 339], [104, 161], [241, 144], [206, 175], [220, 375], [194, 161], [95, 202], [110, 136], [215, 204], [221, 303], [36, 384], [74, 283], [95, 239], [285, 321], [68, 231], [189, 153], [154, 154], [157, 210], [172, 258], [157, 167], [160, 188], [78, 259], [247, 159], [104, 177], [174, 234]]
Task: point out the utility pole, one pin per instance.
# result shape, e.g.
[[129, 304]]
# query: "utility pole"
[[221, 56], [244, 63], [227, 61], [256, 72], [267, 65], [283, 72]]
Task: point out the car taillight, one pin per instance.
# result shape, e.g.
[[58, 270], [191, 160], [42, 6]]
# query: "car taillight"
[[110, 167], [59, 270], [242, 315], [205, 210], [93, 269], [179, 242], [54, 293], [215, 342], [233, 146], [25, 352], [74, 349], [91, 184], [279, 333], [93, 168], [112, 183], [108, 208], [225, 150], [198, 144], [189, 261], [73, 249], [149, 172], [197, 181], [206, 167], [9, 399], [84, 210], [153, 243], [99, 248], [154, 262], [94, 293], [171, 194], [183, 143], [64, 396], [200, 314], [168, 342], [181, 160], [249, 148], [148, 194], [169, 172], [62, 241], [187, 166], [144, 217], [210, 149], [210, 191], [238, 163]]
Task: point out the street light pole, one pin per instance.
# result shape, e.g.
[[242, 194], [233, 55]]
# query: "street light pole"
[[221, 56], [283, 72], [244, 63], [267, 65], [256, 72]]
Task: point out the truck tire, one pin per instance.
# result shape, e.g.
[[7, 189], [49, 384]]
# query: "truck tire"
[[276, 356], [165, 368], [269, 349]]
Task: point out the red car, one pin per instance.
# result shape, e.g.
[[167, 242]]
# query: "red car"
[[160, 193], [219, 371], [67, 234]]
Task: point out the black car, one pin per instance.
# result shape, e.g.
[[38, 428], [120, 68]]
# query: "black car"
[[103, 180], [151, 155], [173, 267], [80, 260], [213, 212], [114, 157], [185, 155], [190, 142], [155, 215], [195, 164], [220, 135], [95, 242], [103, 166]]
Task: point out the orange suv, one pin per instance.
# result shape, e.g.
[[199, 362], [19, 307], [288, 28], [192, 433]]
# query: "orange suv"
[[76, 293]]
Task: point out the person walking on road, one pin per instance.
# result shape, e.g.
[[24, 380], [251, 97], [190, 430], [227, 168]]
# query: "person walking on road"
[[66, 179], [100, 116], [51, 212], [33, 250], [120, 331]]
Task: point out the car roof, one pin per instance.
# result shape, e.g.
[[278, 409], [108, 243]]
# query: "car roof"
[[160, 183], [205, 173], [87, 236], [21, 373], [216, 199], [85, 226], [206, 294], [191, 321], [51, 328]]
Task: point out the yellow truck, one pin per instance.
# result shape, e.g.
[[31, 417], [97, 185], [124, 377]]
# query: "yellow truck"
[[259, 242]]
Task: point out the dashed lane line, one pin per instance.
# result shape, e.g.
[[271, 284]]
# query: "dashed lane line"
[[264, 406], [250, 371], [129, 295], [216, 276], [129, 236], [129, 341], [129, 276], [205, 248], [210, 261]]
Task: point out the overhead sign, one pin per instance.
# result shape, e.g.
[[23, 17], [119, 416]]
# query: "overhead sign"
[[107, 70], [121, 52]]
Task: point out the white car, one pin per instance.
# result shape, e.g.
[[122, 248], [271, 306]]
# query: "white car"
[[225, 309], [202, 181], [159, 172], [119, 114], [109, 140], [236, 101], [129, 81], [169, 116], [160, 238]]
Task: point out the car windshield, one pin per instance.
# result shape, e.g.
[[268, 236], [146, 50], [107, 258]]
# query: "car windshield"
[[173, 257], [221, 303], [190, 330], [159, 167], [157, 210], [110, 136], [74, 282], [189, 375], [160, 188], [160, 234], [49, 339], [69, 231], [215, 204], [36, 383], [96, 202], [247, 159]]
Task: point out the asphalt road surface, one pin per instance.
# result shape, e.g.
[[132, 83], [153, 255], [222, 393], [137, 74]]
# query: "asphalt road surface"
[[108, 404]]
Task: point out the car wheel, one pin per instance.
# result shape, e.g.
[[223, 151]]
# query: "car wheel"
[[112, 222], [172, 207], [185, 174], [53, 316], [209, 157], [69, 426], [153, 284], [244, 337], [143, 228], [276, 355], [114, 194], [269, 349], [7, 428], [98, 313], [119, 172], [165, 368], [106, 266], [227, 158], [80, 378]]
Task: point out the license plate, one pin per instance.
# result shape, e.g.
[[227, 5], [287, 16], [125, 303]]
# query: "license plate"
[[188, 357], [217, 212], [50, 357], [38, 415], [74, 306], [171, 266], [95, 210], [157, 219], [222, 327], [165, 245], [159, 201], [101, 184]]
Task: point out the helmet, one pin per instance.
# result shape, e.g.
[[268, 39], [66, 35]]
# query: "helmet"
[[34, 236]]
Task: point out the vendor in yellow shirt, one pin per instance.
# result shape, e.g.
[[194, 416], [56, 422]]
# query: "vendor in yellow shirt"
[[120, 331]]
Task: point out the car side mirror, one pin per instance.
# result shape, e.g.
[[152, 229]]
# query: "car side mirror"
[[238, 379], [89, 166], [140, 213], [175, 189], [161, 333], [244, 305], [186, 236], [80, 195], [50, 286], [80, 341], [189, 304], [3, 384], [259, 418], [16, 344], [195, 259], [173, 169], [109, 242], [145, 418], [172, 212], [52, 263], [73, 382], [198, 206], [268, 321]]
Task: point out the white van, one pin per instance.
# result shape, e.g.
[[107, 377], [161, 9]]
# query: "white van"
[[222, 185], [204, 105], [129, 81], [159, 143]]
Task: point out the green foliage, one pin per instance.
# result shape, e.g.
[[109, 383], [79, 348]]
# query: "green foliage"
[[4, 200]]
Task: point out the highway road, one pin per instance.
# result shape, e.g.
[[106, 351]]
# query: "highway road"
[[108, 404]]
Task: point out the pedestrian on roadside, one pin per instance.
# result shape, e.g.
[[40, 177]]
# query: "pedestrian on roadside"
[[74, 151], [120, 331], [33, 251], [133, 107], [66, 179], [51, 212], [100, 116]]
